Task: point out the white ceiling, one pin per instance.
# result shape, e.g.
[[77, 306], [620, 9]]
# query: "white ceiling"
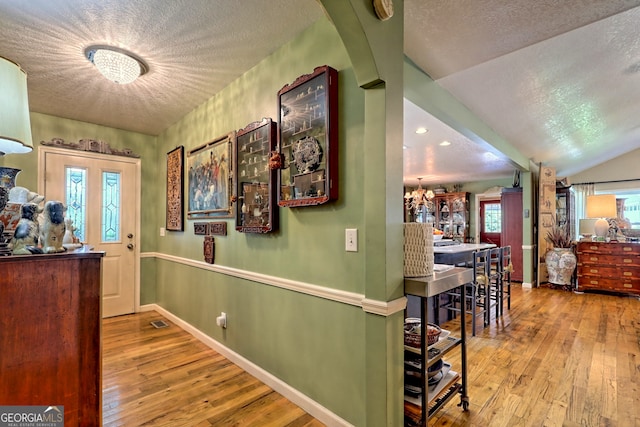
[[194, 48], [556, 80]]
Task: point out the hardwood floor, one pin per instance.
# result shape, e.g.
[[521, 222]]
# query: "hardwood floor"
[[166, 377], [556, 359]]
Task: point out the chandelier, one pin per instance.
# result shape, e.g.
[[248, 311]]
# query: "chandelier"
[[418, 197], [115, 64]]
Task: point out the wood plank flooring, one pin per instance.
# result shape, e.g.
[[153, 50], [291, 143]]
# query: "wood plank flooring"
[[166, 377], [556, 359]]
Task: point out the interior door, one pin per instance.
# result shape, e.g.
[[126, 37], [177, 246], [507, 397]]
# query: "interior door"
[[100, 194], [490, 221]]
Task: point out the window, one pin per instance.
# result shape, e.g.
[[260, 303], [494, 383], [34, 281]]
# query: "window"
[[492, 218], [631, 210], [76, 196], [110, 207]]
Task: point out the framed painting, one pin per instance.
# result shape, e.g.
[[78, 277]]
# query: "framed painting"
[[175, 189], [211, 179]]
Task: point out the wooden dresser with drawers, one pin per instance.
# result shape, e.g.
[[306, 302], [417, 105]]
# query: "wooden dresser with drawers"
[[613, 267]]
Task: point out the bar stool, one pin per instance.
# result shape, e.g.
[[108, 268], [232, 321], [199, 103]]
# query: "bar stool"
[[506, 268], [494, 287], [477, 297], [482, 273]]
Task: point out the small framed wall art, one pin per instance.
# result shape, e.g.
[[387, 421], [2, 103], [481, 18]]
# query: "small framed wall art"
[[211, 179], [175, 189], [256, 206], [308, 139]]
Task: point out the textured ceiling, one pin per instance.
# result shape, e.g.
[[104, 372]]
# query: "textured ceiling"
[[461, 161], [557, 80], [193, 48]]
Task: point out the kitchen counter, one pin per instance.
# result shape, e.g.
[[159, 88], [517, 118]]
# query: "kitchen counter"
[[462, 247], [458, 254], [438, 282]]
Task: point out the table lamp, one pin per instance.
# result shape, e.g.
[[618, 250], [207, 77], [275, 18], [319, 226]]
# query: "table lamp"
[[15, 127], [586, 227], [601, 206]]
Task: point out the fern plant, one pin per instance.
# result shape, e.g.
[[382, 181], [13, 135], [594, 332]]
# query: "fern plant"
[[559, 236]]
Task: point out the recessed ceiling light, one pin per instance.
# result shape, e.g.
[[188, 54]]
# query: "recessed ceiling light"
[[420, 131], [445, 143], [404, 147]]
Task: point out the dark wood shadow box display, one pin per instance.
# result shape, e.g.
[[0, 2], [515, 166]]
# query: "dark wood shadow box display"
[[309, 139], [256, 209]]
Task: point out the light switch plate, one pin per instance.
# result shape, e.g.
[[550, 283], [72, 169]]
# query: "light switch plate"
[[351, 240]]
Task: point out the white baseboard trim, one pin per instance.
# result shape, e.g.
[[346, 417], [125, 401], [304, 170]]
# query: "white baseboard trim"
[[382, 308], [527, 285], [309, 405]]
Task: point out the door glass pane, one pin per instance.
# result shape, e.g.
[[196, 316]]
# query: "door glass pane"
[[492, 218], [76, 191], [110, 207]]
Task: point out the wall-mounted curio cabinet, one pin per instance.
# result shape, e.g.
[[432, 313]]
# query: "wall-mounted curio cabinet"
[[256, 210], [309, 139]]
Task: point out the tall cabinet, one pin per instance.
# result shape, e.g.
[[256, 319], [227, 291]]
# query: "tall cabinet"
[[565, 208], [511, 203], [452, 215], [448, 212]]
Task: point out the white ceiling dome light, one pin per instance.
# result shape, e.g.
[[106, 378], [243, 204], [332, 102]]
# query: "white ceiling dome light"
[[115, 64]]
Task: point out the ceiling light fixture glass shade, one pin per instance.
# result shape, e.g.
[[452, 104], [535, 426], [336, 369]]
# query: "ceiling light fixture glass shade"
[[115, 64], [15, 124]]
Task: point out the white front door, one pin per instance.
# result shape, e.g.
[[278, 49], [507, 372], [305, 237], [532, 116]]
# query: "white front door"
[[100, 193]]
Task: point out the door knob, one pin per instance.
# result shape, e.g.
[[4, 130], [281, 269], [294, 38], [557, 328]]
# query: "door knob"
[[130, 246], [130, 236]]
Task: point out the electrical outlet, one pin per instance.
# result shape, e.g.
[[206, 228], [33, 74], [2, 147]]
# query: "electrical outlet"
[[351, 240], [222, 320]]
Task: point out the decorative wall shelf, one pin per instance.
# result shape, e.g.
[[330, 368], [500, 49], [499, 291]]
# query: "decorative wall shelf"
[[309, 139], [255, 209]]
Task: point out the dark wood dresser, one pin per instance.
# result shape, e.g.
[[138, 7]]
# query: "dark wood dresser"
[[613, 267], [50, 323]]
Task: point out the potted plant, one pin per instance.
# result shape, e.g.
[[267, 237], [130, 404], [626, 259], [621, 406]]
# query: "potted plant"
[[560, 260]]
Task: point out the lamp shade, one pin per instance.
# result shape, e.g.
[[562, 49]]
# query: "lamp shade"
[[15, 126], [587, 225], [601, 206]]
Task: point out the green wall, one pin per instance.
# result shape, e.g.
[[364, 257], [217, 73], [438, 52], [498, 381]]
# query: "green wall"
[[303, 232], [346, 359], [318, 346], [45, 128]]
